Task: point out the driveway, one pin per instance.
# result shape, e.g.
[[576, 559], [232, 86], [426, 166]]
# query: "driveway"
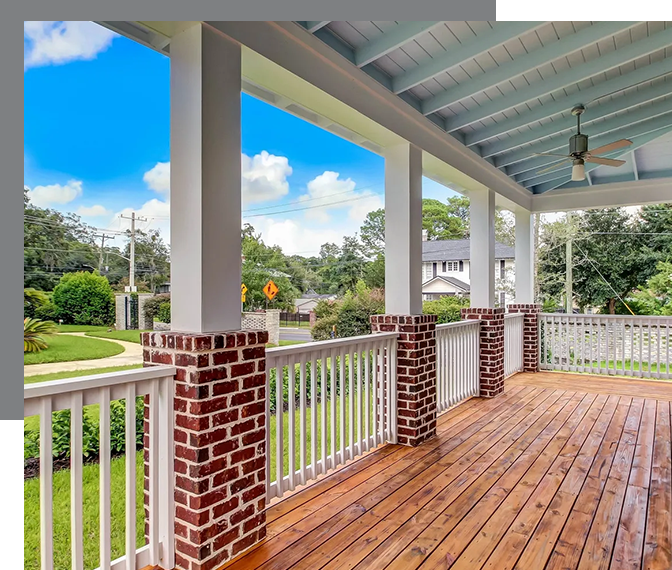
[[132, 355]]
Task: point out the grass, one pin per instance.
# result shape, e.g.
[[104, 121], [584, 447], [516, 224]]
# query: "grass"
[[128, 336], [65, 348], [617, 367], [80, 328], [90, 490], [294, 325], [76, 373], [285, 343]]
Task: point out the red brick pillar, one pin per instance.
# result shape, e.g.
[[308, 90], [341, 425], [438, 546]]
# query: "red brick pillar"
[[492, 348], [416, 374], [530, 334], [220, 441]]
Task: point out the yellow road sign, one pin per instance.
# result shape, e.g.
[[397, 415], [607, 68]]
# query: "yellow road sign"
[[243, 289], [271, 290], [242, 298]]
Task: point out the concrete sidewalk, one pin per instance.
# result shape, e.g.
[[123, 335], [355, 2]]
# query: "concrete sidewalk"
[[132, 355]]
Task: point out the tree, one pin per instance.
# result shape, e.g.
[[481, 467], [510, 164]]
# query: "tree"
[[440, 223], [152, 258], [84, 299], [372, 233]]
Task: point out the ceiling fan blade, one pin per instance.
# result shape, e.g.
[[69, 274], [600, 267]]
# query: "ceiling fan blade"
[[550, 154], [611, 146], [605, 161], [554, 167]]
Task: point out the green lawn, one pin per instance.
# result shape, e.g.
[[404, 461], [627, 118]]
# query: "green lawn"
[[293, 325], [76, 373], [66, 348], [646, 367], [80, 328], [128, 336], [90, 479]]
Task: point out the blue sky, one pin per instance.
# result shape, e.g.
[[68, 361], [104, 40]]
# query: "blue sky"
[[96, 142]]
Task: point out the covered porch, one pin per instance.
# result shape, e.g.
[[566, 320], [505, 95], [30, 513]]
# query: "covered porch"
[[433, 446]]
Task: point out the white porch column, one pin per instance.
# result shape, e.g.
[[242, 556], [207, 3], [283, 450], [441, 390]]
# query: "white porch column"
[[205, 181], [482, 248], [524, 257], [403, 230]]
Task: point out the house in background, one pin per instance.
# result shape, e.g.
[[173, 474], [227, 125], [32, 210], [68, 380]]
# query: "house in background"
[[445, 268], [309, 300]]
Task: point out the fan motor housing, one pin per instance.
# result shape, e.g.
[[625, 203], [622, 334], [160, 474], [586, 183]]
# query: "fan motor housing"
[[578, 144]]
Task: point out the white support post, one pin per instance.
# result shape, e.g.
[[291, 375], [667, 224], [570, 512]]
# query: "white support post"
[[482, 248], [205, 181], [524, 257], [403, 230]]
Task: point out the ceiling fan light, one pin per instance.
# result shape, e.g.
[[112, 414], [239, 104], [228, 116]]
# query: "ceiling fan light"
[[578, 171]]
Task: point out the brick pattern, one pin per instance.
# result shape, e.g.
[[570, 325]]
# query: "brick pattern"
[[220, 441], [530, 334], [416, 374], [492, 348]]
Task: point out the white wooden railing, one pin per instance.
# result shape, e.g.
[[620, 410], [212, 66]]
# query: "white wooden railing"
[[513, 343], [74, 394], [606, 344], [457, 362], [340, 401]]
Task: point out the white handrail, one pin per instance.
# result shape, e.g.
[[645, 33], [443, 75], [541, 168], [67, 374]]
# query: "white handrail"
[[513, 343], [457, 362], [345, 390], [156, 383], [606, 344]]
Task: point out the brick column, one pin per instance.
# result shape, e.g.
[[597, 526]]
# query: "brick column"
[[416, 374], [220, 441], [492, 348], [530, 334]]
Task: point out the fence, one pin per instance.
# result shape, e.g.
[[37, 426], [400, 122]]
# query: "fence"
[[606, 344], [457, 362], [294, 319], [73, 394], [513, 343], [328, 402]]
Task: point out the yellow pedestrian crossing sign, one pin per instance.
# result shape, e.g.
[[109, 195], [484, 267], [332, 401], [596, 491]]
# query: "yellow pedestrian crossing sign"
[[243, 290]]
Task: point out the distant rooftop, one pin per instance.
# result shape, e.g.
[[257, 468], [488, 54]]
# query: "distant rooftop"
[[458, 250]]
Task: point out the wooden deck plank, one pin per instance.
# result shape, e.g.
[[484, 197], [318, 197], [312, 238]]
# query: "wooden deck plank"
[[562, 471], [658, 538]]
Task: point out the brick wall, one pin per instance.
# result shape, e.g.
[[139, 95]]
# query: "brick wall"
[[220, 441], [492, 348], [268, 321], [416, 374], [530, 334]]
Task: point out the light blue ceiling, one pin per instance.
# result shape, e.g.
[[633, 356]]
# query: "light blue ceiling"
[[506, 89]]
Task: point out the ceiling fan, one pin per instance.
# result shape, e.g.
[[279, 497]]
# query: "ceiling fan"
[[579, 153]]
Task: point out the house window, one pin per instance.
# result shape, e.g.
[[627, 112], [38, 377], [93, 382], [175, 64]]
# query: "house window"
[[451, 266], [444, 266]]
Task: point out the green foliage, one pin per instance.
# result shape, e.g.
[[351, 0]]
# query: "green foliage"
[[34, 331], [374, 273], [133, 309], [32, 301], [447, 308], [164, 313], [84, 299], [152, 305], [351, 314]]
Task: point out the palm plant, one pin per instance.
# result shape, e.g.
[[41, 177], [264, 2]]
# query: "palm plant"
[[33, 331]]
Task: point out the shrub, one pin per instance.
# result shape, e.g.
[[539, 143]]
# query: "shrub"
[[447, 309], [351, 315], [152, 305], [164, 313], [84, 299], [33, 300], [34, 331], [47, 312]]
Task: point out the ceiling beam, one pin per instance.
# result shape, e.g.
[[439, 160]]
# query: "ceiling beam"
[[522, 160], [568, 123], [565, 79], [500, 33], [520, 65], [312, 27], [140, 34], [563, 104], [391, 40], [604, 196], [562, 179]]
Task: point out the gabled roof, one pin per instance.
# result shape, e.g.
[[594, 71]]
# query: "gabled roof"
[[458, 250], [454, 282]]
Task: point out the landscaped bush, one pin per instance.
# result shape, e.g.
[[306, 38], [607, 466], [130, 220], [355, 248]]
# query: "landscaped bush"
[[34, 331], [152, 305], [84, 299], [448, 309], [163, 315], [33, 300], [91, 429]]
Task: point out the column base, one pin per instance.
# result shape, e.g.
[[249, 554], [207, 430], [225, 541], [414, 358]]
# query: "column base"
[[530, 334], [491, 348]]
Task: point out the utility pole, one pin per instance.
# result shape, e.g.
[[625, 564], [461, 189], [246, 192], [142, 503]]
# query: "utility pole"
[[103, 237], [568, 266], [131, 271]]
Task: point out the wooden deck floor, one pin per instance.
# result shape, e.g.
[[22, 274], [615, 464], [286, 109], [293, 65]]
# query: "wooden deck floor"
[[560, 472]]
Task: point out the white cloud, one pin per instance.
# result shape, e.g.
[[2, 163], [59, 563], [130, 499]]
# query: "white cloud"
[[56, 43], [295, 237], [95, 211], [331, 192], [264, 177], [156, 214], [45, 196], [158, 178]]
